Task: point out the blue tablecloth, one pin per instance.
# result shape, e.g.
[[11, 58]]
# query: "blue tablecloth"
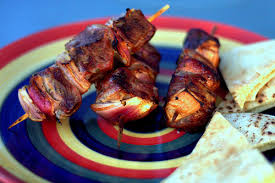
[[23, 17]]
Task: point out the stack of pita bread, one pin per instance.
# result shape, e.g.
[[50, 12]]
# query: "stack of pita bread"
[[228, 150], [259, 129], [223, 155], [249, 73]]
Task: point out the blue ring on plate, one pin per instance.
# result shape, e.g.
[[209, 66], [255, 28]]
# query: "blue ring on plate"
[[28, 145]]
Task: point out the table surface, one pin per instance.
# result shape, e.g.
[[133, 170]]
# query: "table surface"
[[21, 18]]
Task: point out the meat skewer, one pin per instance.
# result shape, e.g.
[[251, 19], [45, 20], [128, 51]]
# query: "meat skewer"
[[56, 92], [129, 93], [191, 98]]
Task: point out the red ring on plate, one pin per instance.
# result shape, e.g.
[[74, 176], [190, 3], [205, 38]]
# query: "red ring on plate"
[[17, 48], [57, 144], [109, 130]]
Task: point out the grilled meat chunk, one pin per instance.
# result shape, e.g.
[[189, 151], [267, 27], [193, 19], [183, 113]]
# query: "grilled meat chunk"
[[56, 91], [53, 94], [72, 73], [150, 56], [29, 106], [191, 99], [204, 44], [133, 29], [92, 51], [122, 97], [128, 93], [62, 91]]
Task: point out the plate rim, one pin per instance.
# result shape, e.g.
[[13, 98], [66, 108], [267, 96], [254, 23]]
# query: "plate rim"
[[17, 48]]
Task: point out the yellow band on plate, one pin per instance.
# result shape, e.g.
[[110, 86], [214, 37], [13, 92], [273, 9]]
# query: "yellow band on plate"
[[26, 64], [74, 144]]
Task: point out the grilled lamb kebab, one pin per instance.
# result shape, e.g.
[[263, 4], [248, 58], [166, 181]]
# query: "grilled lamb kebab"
[[129, 93], [56, 91], [191, 99]]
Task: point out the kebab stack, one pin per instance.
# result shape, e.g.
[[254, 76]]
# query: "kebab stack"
[[126, 93], [191, 99], [129, 93], [56, 92]]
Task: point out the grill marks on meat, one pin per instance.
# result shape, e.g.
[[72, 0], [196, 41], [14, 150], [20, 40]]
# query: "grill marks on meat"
[[145, 64], [62, 91], [72, 73], [150, 56], [204, 44], [128, 93], [27, 104], [191, 99], [53, 94], [92, 51], [196, 67], [40, 97], [133, 29], [56, 91]]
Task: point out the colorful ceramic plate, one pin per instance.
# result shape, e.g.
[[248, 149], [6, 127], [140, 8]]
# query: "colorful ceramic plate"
[[83, 148]]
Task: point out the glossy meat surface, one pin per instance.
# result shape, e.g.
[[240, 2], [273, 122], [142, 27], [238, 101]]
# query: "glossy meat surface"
[[129, 93], [191, 99]]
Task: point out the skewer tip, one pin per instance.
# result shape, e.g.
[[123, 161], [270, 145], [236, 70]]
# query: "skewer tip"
[[120, 133], [175, 116], [162, 10], [22, 118], [214, 30], [166, 7]]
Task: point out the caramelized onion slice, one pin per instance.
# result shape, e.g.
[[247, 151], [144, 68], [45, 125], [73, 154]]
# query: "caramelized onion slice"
[[29, 107], [124, 110]]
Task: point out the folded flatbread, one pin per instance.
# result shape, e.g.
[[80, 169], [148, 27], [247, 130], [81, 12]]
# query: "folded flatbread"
[[248, 166], [259, 129], [218, 135], [223, 155], [249, 73], [265, 99]]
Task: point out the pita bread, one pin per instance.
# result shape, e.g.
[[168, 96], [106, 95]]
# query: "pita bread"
[[216, 137], [225, 167], [222, 155], [259, 129], [247, 69], [265, 99], [228, 105]]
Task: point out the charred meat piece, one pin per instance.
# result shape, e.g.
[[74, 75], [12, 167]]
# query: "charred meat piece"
[[56, 91], [191, 99], [72, 73], [133, 29], [40, 96], [150, 56], [197, 66], [204, 44], [53, 94], [62, 91], [145, 64], [128, 93], [92, 51], [28, 105], [124, 98]]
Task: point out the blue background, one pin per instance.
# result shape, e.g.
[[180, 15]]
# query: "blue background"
[[20, 18]]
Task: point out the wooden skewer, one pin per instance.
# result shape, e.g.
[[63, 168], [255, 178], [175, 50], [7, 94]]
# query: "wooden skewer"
[[150, 19], [22, 118], [119, 133], [214, 30], [162, 10], [175, 116]]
